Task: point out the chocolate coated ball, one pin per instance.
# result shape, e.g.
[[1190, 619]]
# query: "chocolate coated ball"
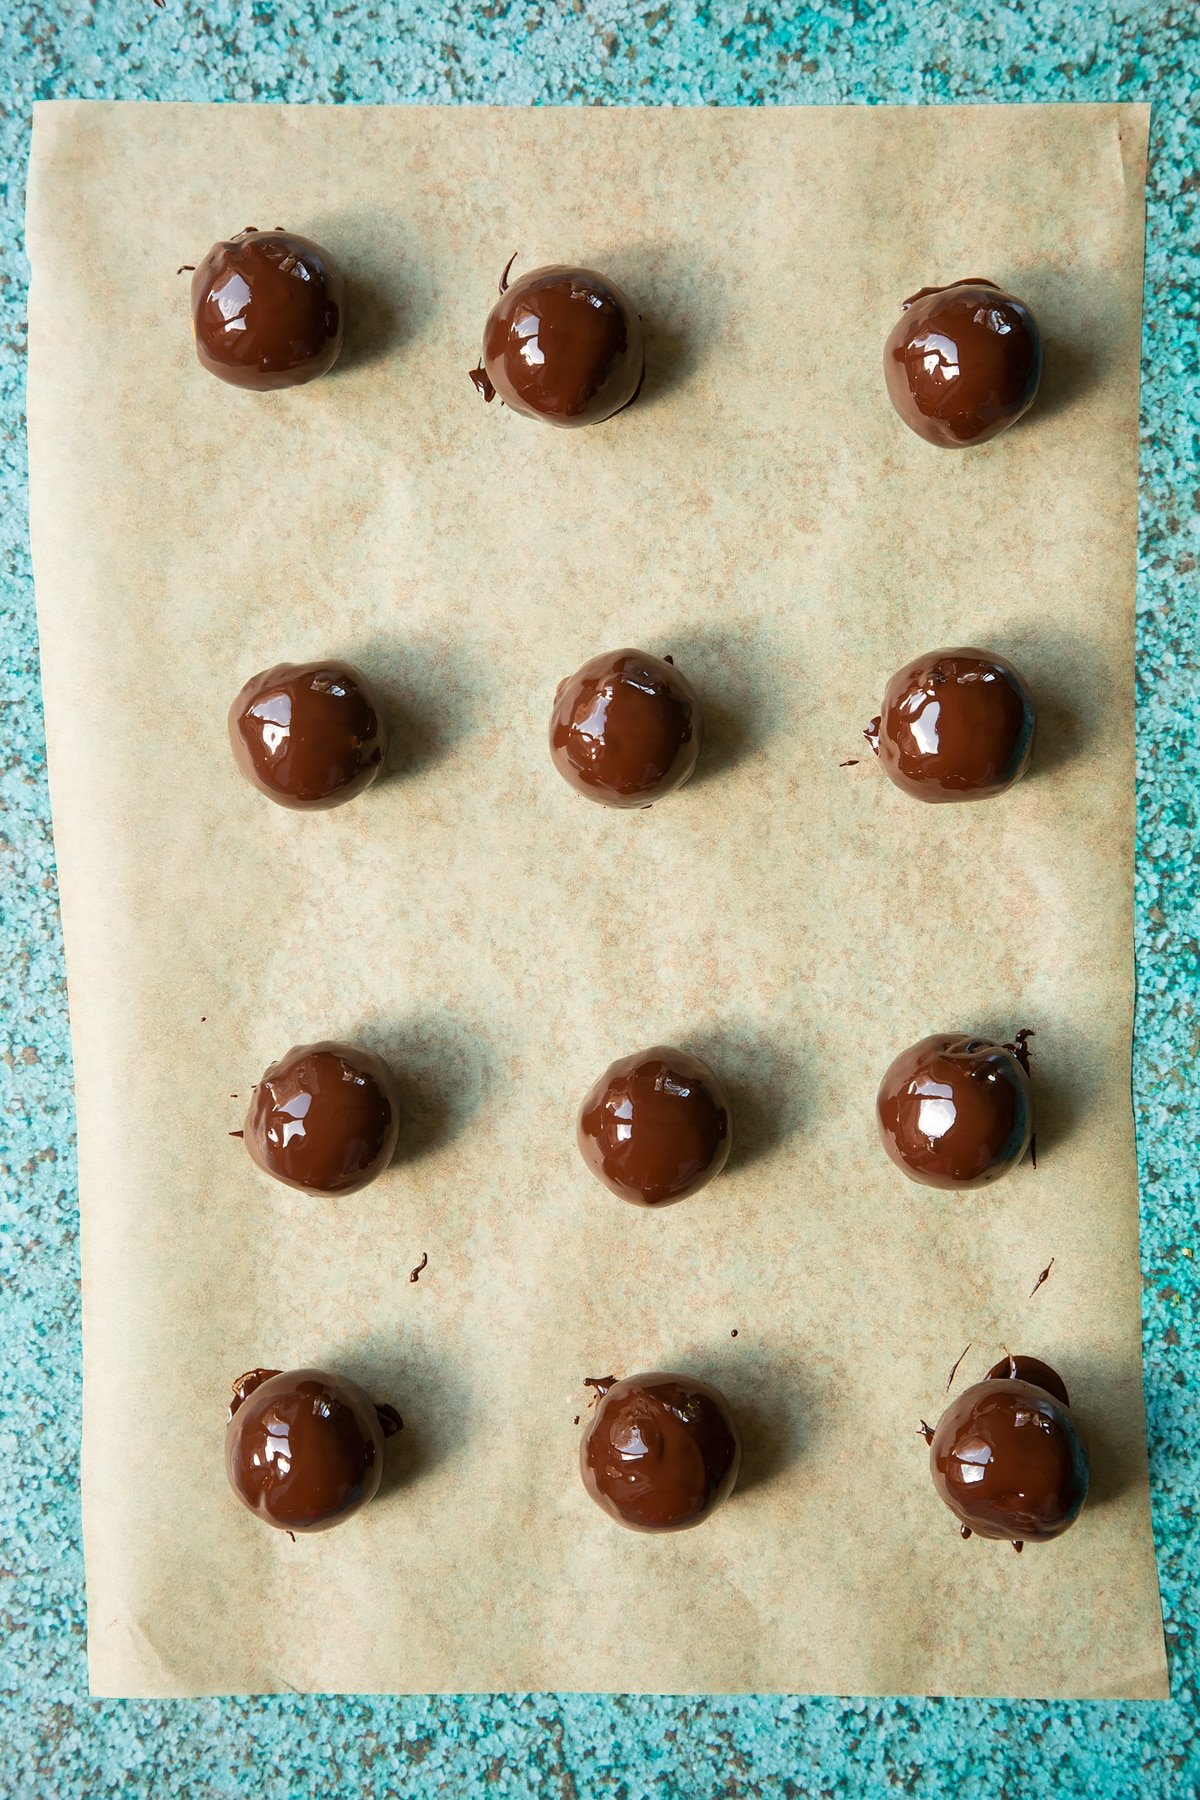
[[661, 1452], [955, 725], [963, 362], [268, 310], [308, 735], [955, 1111], [625, 729], [1008, 1461], [325, 1118], [303, 1449], [563, 345], [656, 1127]]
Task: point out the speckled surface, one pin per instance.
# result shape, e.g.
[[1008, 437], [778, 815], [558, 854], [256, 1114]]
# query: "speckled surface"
[[56, 1740]]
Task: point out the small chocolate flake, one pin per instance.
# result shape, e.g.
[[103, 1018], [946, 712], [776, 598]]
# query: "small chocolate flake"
[[482, 383], [1042, 1277]]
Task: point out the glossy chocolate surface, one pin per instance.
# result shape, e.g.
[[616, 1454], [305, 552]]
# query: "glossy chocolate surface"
[[955, 725], [1008, 1461], [324, 1118], [303, 1449], [656, 1127], [268, 310], [563, 345], [955, 1111], [963, 362], [625, 729], [308, 735], [660, 1452]]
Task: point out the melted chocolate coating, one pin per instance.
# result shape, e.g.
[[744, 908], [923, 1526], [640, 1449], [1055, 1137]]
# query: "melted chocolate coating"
[[325, 1118], [1008, 1461], [656, 1127], [1029, 1369], [268, 310], [661, 1452], [955, 725], [963, 362], [304, 1450], [625, 729], [563, 345], [955, 1111], [308, 735]]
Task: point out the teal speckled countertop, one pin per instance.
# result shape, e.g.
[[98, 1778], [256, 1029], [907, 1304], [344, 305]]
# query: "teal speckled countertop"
[[55, 1739]]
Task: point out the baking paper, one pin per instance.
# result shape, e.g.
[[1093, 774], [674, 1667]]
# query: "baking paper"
[[762, 515]]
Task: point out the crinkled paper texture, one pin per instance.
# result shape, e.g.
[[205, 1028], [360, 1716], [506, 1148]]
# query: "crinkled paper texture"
[[762, 515]]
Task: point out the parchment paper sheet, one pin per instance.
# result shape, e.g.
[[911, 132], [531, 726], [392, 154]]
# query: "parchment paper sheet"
[[762, 515]]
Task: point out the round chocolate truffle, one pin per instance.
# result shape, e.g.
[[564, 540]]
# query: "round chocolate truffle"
[[625, 729], [308, 735], [656, 1127], [661, 1451], [1008, 1461], [956, 1111], [268, 310], [563, 345], [303, 1449], [955, 725], [963, 362], [325, 1118]]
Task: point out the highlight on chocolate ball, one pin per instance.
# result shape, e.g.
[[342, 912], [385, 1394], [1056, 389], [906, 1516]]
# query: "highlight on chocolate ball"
[[1007, 1456], [625, 729], [656, 1127], [956, 1111], [309, 736], [304, 1449], [325, 1118], [963, 363], [561, 344], [268, 310], [660, 1452], [955, 725]]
